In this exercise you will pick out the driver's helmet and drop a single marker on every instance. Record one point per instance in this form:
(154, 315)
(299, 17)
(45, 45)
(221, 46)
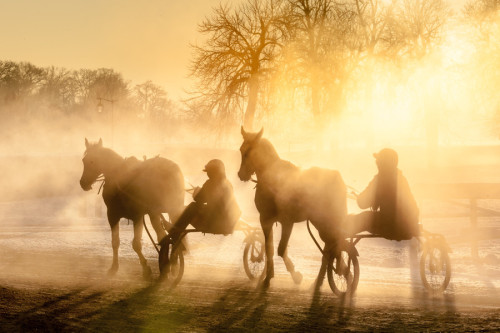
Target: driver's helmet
(215, 169)
(386, 159)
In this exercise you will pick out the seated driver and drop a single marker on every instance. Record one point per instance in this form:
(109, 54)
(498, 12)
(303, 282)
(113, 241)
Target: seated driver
(214, 209)
(394, 213)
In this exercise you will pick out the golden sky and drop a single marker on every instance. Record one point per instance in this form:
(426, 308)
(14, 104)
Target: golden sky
(143, 40)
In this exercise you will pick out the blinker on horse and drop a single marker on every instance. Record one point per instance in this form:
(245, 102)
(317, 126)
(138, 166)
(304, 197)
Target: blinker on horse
(132, 189)
(287, 194)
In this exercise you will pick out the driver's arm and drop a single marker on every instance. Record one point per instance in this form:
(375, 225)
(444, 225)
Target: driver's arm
(366, 199)
(200, 196)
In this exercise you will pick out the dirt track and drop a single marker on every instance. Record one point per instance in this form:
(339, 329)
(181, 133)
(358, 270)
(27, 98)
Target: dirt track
(67, 290)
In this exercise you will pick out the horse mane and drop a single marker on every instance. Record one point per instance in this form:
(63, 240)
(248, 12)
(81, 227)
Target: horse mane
(112, 153)
(273, 156)
(268, 150)
(108, 151)
(267, 158)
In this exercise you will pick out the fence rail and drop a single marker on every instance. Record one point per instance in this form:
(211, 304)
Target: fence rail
(450, 192)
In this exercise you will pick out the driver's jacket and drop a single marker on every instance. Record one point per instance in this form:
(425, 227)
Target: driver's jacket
(390, 195)
(221, 211)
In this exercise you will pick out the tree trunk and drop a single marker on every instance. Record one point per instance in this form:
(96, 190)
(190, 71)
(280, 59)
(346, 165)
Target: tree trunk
(315, 95)
(253, 91)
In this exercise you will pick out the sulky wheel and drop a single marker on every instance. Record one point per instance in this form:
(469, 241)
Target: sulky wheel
(343, 273)
(175, 268)
(435, 268)
(176, 264)
(254, 257)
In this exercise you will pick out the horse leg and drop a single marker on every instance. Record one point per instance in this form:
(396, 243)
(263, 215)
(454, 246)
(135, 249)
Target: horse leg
(329, 252)
(267, 228)
(156, 223)
(137, 246)
(286, 231)
(115, 243)
(322, 270)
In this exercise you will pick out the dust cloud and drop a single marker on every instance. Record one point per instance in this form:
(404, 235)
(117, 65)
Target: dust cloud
(440, 114)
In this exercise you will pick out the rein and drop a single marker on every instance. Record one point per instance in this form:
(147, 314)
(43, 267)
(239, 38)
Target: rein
(149, 234)
(102, 180)
(314, 238)
(353, 194)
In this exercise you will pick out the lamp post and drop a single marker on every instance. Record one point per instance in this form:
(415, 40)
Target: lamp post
(100, 109)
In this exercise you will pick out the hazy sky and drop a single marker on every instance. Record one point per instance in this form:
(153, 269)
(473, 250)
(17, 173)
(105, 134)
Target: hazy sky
(143, 40)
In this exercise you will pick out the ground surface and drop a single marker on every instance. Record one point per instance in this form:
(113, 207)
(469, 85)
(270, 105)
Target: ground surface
(53, 278)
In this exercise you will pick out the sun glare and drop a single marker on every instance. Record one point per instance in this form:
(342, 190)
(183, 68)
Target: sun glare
(408, 103)
(457, 47)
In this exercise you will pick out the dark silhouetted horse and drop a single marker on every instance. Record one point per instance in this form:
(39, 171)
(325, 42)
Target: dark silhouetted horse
(287, 194)
(133, 188)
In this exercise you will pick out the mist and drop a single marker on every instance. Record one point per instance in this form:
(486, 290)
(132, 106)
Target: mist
(433, 110)
(435, 102)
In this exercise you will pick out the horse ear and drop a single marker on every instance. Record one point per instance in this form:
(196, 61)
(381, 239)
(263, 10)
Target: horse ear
(100, 142)
(87, 143)
(259, 135)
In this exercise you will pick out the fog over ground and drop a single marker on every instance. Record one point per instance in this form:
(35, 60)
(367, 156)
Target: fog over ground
(441, 114)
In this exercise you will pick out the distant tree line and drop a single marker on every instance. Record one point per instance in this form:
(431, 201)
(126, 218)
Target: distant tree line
(29, 93)
(267, 61)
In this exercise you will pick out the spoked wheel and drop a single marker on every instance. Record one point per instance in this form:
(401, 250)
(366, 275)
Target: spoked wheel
(343, 273)
(435, 268)
(176, 264)
(254, 257)
(175, 269)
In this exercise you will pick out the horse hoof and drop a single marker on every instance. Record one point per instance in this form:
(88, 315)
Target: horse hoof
(297, 277)
(265, 284)
(147, 273)
(112, 271)
(163, 277)
(163, 260)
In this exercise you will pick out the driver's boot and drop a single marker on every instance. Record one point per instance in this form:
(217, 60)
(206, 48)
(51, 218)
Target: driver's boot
(163, 256)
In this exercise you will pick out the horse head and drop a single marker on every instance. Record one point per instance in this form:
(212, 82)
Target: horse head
(92, 164)
(248, 152)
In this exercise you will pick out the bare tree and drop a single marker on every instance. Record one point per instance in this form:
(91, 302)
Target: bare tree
(19, 80)
(101, 83)
(110, 84)
(155, 108)
(372, 17)
(321, 32)
(484, 78)
(418, 25)
(58, 88)
(481, 10)
(84, 80)
(418, 29)
(310, 18)
(240, 47)
(150, 97)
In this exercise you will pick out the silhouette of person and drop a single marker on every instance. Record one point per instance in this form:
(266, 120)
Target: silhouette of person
(214, 209)
(393, 210)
